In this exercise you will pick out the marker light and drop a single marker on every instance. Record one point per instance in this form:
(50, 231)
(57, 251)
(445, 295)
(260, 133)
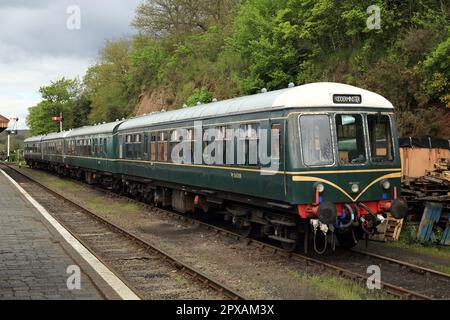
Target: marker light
(355, 188)
(320, 187)
(386, 184)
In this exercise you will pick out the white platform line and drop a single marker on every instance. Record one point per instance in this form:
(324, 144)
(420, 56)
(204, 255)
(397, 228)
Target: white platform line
(116, 284)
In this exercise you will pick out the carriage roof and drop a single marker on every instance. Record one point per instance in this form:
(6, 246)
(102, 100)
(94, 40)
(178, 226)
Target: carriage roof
(33, 139)
(55, 136)
(105, 128)
(312, 95)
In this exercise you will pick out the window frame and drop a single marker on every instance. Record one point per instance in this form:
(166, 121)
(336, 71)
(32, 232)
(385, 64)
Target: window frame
(363, 116)
(333, 138)
(391, 124)
(280, 142)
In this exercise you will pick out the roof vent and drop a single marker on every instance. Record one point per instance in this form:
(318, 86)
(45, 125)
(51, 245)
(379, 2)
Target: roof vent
(264, 90)
(291, 85)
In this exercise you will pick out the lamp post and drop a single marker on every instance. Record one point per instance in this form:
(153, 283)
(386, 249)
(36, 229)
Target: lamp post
(12, 130)
(9, 144)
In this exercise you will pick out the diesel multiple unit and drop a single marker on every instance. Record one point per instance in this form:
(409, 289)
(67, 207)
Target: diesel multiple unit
(312, 162)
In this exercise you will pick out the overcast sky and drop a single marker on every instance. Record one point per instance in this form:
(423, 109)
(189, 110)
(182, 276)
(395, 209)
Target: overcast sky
(37, 46)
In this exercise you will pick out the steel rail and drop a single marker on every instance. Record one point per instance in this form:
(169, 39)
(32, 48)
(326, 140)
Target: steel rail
(184, 268)
(390, 288)
(418, 269)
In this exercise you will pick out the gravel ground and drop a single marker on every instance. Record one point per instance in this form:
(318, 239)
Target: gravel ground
(255, 274)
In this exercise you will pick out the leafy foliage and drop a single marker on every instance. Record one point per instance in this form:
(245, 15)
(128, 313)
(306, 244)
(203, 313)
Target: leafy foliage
(107, 83)
(60, 97)
(200, 96)
(195, 50)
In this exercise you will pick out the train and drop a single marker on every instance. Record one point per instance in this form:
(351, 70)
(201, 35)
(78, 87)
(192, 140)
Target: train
(312, 164)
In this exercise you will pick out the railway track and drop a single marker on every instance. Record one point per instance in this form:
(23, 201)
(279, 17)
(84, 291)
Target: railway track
(358, 272)
(101, 235)
(406, 280)
(412, 267)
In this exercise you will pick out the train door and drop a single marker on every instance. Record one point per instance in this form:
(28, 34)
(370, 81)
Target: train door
(278, 149)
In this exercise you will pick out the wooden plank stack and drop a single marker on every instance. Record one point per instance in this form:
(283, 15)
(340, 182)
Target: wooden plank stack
(389, 230)
(433, 188)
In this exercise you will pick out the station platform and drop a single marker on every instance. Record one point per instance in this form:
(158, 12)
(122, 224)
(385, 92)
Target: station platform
(34, 257)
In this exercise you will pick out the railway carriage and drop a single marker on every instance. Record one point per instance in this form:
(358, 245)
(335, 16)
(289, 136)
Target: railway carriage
(53, 149)
(334, 164)
(33, 150)
(90, 151)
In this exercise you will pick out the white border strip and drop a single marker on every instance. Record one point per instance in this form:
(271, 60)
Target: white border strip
(113, 281)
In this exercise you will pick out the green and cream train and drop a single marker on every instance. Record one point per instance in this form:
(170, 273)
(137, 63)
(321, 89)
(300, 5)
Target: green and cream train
(308, 163)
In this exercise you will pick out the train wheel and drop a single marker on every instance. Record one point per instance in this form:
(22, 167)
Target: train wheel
(245, 231)
(291, 234)
(289, 246)
(244, 227)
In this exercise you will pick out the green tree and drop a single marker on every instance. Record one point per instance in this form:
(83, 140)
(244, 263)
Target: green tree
(107, 83)
(188, 51)
(200, 96)
(59, 97)
(161, 18)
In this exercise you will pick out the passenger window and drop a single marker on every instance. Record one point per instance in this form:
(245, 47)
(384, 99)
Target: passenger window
(105, 147)
(223, 139)
(129, 147)
(153, 142)
(175, 138)
(275, 143)
(162, 146)
(252, 157)
(146, 146)
(137, 147)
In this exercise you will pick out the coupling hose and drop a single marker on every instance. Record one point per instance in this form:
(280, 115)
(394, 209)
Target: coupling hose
(315, 244)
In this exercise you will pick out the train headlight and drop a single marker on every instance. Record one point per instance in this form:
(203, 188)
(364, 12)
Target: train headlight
(386, 184)
(355, 188)
(320, 187)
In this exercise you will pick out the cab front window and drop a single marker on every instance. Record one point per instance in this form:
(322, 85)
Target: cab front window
(316, 140)
(350, 139)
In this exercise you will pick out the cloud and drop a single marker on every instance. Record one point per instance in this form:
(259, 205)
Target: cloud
(36, 47)
(43, 28)
(20, 82)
